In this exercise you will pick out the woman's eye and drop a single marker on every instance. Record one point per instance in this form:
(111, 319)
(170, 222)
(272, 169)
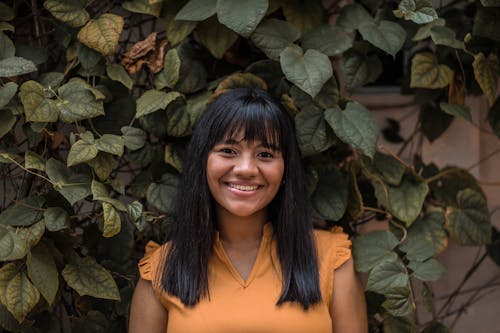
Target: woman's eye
(226, 151)
(265, 154)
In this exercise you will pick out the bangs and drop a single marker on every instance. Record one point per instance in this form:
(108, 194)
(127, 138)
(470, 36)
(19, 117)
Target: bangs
(253, 116)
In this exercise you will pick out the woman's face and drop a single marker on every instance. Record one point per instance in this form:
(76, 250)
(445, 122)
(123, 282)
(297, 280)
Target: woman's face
(243, 177)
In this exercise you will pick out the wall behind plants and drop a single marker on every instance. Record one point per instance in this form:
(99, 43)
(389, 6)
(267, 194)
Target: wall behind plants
(98, 100)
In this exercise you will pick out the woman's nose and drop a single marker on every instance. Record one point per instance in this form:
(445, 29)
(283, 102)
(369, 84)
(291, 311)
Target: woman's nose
(245, 165)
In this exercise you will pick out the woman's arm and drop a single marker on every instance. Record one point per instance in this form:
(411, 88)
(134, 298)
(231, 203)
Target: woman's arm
(146, 312)
(348, 307)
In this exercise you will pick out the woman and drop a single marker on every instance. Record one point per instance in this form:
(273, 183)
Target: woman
(243, 255)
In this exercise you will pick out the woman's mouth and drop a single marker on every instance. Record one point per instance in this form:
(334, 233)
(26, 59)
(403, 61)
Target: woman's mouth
(243, 187)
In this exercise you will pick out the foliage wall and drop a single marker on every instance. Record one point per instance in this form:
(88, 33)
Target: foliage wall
(98, 99)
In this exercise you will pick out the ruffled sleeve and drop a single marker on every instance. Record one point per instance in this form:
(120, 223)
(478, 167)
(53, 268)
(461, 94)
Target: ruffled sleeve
(342, 247)
(148, 264)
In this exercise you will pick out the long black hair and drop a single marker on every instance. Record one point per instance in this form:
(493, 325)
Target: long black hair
(260, 117)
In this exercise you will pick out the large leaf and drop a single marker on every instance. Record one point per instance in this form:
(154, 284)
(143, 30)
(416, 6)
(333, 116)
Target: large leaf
(7, 91)
(134, 138)
(14, 66)
(80, 152)
(178, 119)
(398, 302)
(445, 36)
(143, 7)
(118, 73)
(71, 12)
(162, 195)
(43, 273)
(33, 161)
(241, 16)
(426, 237)
(7, 122)
(389, 168)
(353, 16)
(103, 164)
(79, 101)
(216, 37)
(429, 270)
(12, 246)
(360, 69)
(112, 221)
(407, 199)
(103, 33)
(110, 143)
(154, 100)
(7, 48)
(304, 15)
(72, 187)
(20, 296)
(329, 199)
(328, 39)
(425, 31)
(197, 10)
(312, 131)
(373, 248)
(387, 36)
(37, 106)
(355, 125)
(308, 71)
(418, 11)
(427, 73)
(176, 30)
(169, 75)
(273, 35)
(87, 277)
(56, 218)
(386, 276)
(24, 212)
(469, 222)
(486, 72)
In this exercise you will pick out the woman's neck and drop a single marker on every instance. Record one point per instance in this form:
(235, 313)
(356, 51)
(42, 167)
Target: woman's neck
(238, 230)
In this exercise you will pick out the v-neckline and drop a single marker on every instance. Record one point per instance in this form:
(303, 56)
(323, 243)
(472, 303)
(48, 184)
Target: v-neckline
(222, 254)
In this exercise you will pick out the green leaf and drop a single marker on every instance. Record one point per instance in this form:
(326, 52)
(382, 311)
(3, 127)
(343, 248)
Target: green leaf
(178, 119)
(87, 277)
(360, 69)
(7, 272)
(197, 10)
(172, 157)
(88, 57)
(143, 7)
(103, 164)
(56, 219)
(215, 37)
(486, 72)
(32, 234)
(308, 71)
(51, 80)
(176, 30)
(169, 75)
(427, 73)
(134, 210)
(273, 35)
(427, 297)
(398, 324)
(419, 11)
(387, 36)
(112, 221)
(407, 199)
(241, 16)
(79, 101)
(429, 270)
(23, 213)
(7, 122)
(71, 12)
(118, 73)
(42, 271)
(12, 246)
(110, 143)
(33, 161)
(386, 276)
(7, 48)
(312, 131)
(452, 181)
(134, 138)
(353, 16)
(154, 100)
(192, 75)
(15, 66)
(6, 13)
(457, 110)
(81, 152)
(7, 91)
(37, 106)
(436, 327)
(355, 126)
(373, 248)
(21, 296)
(397, 302)
(327, 39)
(103, 33)
(304, 15)
(389, 168)
(469, 222)
(445, 36)
(99, 192)
(72, 187)
(426, 237)
(425, 31)
(329, 199)
(162, 195)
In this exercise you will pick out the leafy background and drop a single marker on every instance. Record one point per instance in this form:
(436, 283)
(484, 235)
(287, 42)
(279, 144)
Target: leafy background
(98, 100)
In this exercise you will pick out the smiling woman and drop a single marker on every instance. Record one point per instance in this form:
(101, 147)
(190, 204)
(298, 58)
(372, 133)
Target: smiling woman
(243, 255)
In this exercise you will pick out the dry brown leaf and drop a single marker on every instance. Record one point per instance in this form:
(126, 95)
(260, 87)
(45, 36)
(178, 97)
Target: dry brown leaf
(155, 60)
(145, 52)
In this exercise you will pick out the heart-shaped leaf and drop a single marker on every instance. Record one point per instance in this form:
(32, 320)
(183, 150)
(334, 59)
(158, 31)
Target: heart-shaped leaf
(37, 106)
(327, 39)
(312, 131)
(154, 100)
(103, 33)
(241, 16)
(486, 72)
(273, 35)
(427, 73)
(418, 11)
(197, 10)
(217, 38)
(71, 12)
(373, 248)
(15, 66)
(387, 36)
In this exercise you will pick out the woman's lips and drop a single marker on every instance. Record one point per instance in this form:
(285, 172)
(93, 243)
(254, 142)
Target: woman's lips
(242, 187)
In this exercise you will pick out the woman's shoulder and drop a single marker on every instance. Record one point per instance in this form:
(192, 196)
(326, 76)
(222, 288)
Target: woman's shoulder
(153, 256)
(333, 246)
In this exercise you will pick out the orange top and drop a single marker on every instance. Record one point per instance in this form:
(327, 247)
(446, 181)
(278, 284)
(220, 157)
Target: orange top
(236, 305)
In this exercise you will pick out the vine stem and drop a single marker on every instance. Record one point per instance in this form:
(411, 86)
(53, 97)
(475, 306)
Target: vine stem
(405, 232)
(387, 150)
(487, 157)
(439, 175)
(29, 171)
